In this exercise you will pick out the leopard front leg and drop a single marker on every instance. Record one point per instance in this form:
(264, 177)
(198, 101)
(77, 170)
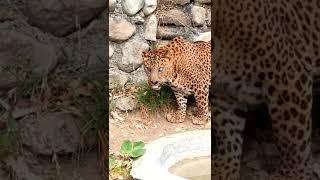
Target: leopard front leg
(290, 111)
(202, 102)
(228, 125)
(179, 115)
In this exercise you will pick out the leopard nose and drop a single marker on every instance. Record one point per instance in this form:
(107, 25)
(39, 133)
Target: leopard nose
(154, 82)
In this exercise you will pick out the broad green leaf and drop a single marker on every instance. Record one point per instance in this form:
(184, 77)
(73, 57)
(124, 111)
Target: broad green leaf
(138, 144)
(137, 152)
(126, 147)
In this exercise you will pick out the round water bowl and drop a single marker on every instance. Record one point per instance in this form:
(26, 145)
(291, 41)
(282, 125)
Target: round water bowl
(167, 151)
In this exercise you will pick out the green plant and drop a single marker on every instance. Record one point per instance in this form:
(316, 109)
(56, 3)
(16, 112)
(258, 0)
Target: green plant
(112, 104)
(120, 166)
(112, 161)
(9, 136)
(28, 82)
(93, 109)
(132, 149)
(154, 99)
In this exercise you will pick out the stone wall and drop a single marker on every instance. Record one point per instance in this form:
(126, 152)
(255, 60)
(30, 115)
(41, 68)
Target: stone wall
(59, 39)
(53, 35)
(136, 26)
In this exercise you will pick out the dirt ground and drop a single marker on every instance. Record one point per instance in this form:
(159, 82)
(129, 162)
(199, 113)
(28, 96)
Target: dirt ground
(134, 126)
(260, 157)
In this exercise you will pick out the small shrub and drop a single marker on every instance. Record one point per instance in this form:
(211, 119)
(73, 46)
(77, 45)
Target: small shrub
(93, 108)
(151, 99)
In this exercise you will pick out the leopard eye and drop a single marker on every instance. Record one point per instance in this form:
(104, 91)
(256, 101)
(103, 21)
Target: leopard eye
(161, 69)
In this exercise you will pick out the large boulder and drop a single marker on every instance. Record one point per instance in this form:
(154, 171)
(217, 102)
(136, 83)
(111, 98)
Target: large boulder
(120, 29)
(149, 6)
(170, 32)
(126, 104)
(50, 132)
(132, 7)
(20, 50)
(117, 79)
(174, 17)
(132, 55)
(61, 17)
(138, 76)
(20, 168)
(198, 15)
(112, 5)
(150, 28)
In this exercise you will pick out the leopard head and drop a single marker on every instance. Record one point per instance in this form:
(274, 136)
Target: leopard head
(159, 67)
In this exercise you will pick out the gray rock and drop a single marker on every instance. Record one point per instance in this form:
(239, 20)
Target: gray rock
(150, 31)
(112, 5)
(50, 132)
(182, 2)
(6, 14)
(117, 79)
(92, 51)
(198, 15)
(149, 6)
(126, 103)
(132, 7)
(20, 168)
(203, 1)
(170, 32)
(203, 37)
(132, 55)
(208, 18)
(111, 51)
(174, 16)
(161, 43)
(120, 30)
(59, 17)
(18, 49)
(139, 76)
(137, 20)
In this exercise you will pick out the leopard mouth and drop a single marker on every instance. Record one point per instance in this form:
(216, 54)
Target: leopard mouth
(156, 87)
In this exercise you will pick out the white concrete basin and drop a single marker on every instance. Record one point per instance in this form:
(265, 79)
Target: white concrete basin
(164, 152)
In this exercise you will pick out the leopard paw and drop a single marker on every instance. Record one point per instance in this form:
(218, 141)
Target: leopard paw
(175, 117)
(200, 120)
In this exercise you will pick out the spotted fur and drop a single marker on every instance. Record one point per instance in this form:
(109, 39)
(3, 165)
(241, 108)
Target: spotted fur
(186, 68)
(266, 52)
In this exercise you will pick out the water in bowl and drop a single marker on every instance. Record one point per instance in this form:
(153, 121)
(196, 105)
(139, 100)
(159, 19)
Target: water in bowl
(193, 169)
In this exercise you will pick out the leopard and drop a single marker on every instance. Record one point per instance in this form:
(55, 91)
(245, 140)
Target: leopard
(266, 52)
(185, 67)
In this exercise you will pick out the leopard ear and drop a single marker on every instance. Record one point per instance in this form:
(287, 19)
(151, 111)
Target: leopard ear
(169, 53)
